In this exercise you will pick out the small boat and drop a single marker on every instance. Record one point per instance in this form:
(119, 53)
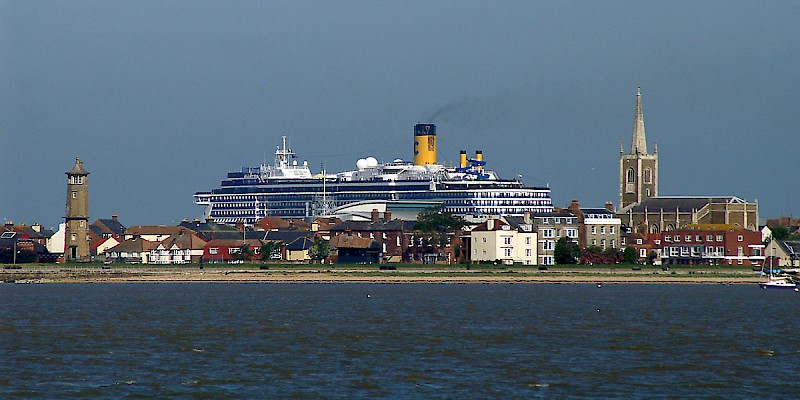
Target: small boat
(778, 282)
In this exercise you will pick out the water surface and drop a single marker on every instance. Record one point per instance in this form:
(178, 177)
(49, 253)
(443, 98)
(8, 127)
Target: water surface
(397, 341)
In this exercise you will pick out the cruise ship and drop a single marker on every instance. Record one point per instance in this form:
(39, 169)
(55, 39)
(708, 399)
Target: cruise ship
(288, 189)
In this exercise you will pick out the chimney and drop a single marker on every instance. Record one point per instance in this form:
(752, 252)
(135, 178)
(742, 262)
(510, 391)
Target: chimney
(575, 207)
(36, 227)
(387, 215)
(114, 217)
(375, 216)
(610, 206)
(462, 159)
(490, 224)
(479, 157)
(527, 217)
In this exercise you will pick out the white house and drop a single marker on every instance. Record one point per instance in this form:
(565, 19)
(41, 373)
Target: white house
(499, 240)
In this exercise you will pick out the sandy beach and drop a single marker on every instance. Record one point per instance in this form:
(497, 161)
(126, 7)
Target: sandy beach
(334, 274)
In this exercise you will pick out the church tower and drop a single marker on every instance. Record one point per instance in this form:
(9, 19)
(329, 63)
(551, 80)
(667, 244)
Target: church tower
(638, 171)
(76, 240)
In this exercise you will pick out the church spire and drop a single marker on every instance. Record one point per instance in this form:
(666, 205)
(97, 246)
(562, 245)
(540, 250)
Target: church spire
(639, 142)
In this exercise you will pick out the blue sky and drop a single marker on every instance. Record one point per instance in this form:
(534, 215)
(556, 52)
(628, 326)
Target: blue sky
(162, 98)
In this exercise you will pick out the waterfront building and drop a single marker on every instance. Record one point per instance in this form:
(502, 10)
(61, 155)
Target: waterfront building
(395, 238)
(135, 250)
(638, 170)
(783, 253)
(507, 242)
(225, 250)
(108, 227)
(549, 228)
(711, 244)
(598, 227)
(184, 248)
(668, 213)
(77, 216)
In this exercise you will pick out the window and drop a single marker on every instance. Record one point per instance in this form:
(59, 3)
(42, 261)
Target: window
(631, 175)
(73, 237)
(698, 238)
(611, 230)
(642, 253)
(638, 241)
(528, 240)
(548, 245)
(739, 238)
(507, 240)
(648, 175)
(719, 238)
(688, 238)
(213, 250)
(547, 233)
(612, 243)
(594, 230)
(602, 230)
(528, 252)
(74, 195)
(667, 238)
(603, 244)
(507, 252)
(484, 240)
(594, 242)
(572, 233)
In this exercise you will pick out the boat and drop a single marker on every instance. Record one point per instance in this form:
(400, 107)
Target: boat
(288, 189)
(779, 282)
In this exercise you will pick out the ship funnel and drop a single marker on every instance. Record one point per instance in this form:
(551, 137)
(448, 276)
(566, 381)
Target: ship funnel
(424, 144)
(479, 157)
(463, 159)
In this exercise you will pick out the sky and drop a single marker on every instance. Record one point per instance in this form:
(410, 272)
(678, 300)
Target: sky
(160, 99)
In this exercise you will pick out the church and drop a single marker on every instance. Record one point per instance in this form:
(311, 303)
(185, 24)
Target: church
(644, 211)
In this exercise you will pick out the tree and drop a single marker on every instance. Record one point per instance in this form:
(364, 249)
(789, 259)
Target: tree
(566, 251)
(629, 255)
(245, 253)
(320, 250)
(270, 249)
(439, 225)
(651, 257)
(780, 232)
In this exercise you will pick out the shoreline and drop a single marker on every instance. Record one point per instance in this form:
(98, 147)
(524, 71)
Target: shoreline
(366, 275)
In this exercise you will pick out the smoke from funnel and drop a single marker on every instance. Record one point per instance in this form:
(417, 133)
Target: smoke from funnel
(479, 113)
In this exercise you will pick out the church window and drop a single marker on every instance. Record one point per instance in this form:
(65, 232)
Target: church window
(648, 175)
(654, 229)
(74, 195)
(631, 175)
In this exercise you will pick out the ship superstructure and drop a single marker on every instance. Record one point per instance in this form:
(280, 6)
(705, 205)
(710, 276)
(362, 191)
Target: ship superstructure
(288, 189)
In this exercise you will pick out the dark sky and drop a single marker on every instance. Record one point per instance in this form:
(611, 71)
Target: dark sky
(162, 98)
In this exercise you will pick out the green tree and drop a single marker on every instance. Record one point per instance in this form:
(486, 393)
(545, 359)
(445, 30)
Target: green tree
(269, 250)
(651, 257)
(629, 255)
(780, 233)
(320, 250)
(245, 253)
(566, 251)
(439, 225)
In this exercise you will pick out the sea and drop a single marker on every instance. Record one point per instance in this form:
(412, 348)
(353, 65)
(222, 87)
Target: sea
(398, 341)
